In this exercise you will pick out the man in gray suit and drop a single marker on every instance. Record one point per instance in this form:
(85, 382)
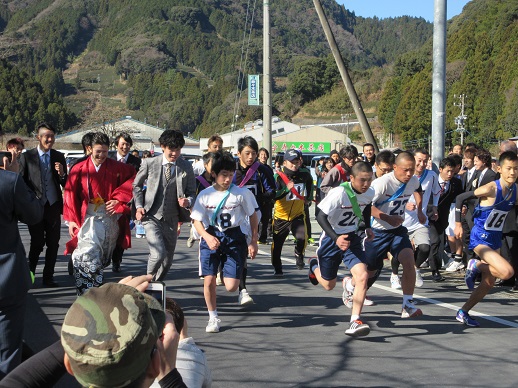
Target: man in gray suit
(17, 203)
(170, 187)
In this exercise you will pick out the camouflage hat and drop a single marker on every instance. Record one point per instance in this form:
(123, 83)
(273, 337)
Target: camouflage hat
(109, 333)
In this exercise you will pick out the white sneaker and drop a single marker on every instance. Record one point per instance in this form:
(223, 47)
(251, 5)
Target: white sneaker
(410, 311)
(347, 297)
(368, 302)
(190, 242)
(219, 281)
(455, 266)
(244, 299)
(395, 282)
(213, 325)
(418, 279)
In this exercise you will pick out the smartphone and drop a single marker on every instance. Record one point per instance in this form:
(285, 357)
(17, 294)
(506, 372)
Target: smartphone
(157, 291)
(4, 154)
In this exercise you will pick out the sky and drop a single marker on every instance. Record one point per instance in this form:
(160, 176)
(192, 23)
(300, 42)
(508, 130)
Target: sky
(388, 8)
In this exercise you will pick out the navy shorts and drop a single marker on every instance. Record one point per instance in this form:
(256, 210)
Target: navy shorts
(492, 239)
(330, 256)
(393, 241)
(231, 254)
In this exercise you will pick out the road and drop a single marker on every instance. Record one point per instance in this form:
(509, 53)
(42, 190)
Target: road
(293, 335)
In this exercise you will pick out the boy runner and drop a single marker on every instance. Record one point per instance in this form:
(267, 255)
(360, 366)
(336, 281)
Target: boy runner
(392, 192)
(340, 214)
(497, 198)
(218, 213)
(294, 189)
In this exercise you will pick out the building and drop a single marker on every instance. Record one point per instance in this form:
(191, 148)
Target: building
(145, 136)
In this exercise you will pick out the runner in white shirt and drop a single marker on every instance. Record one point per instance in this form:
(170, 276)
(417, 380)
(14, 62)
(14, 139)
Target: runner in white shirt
(341, 212)
(392, 192)
(417, 232)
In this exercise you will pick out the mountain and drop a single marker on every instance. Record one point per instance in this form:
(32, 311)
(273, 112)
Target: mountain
(482, 63)
(177, 60)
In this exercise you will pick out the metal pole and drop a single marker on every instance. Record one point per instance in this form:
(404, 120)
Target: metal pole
(267, 81)
(439, 81)
(355, 102)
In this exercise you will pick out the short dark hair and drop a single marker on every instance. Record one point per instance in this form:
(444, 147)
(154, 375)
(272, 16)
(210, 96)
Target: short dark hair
(349, 152)
(368, 145)
(423, 151)
(86, 140)
(360, 167)
(471, 145)
(484, 156)
(214, 138)
(469, 153)
(456, 145)
(328, 159)
(447, 162)
(247, 141)
(127, 138)
(385, 156)
(146, 154)
(100, 138)
(171, 139)
(223, 161)
(45, 126)
(209, 156)
(264, 150)
(176, 311)
(457, 159)
(507, 155)
(15, 142)
(405, 155)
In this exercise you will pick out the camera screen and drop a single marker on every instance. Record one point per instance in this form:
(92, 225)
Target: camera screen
(158, 295)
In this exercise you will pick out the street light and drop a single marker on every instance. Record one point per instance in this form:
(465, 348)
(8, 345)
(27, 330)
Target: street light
(344, 117)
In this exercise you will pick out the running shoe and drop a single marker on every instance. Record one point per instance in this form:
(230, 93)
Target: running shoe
(368, 302)
(358, 329)
(190, 242)
(311, 275)
(278, 274)
(395, 282)
(299, 261)
(347, 296)
(311, 241)
(464, 317)
(418, 279)
(410, 311)
(213, 325)
(455, 266)
(244, 299)
(471, 274)
(219, 279)
(262, 242)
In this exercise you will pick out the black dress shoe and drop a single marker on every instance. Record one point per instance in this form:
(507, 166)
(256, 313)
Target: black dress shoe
(116, 267)
(50, 283)
(437, 277)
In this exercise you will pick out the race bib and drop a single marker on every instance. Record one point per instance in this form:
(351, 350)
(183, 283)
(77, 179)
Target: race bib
(252, 188)
(495, 220)
(300, 188)
(397, 207)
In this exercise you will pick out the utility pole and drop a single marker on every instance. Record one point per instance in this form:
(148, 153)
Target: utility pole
(439, 81)
(267, 80)
(355, 101)
(460, 120)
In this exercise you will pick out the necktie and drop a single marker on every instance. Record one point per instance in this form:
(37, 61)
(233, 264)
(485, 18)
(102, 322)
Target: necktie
(46, 160)
(443, 187)
(168, 172)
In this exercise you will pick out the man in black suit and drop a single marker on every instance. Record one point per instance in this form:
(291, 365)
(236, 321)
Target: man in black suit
(17, 203)
(450, 187)
(44, 171)
(123, 143)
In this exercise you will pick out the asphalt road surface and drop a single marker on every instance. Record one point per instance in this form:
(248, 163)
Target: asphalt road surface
(293, 336)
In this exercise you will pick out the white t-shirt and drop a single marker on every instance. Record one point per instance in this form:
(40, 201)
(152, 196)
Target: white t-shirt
(384, 188)
(430, 187)
(198, 167)
(339, 210)
(239, 204)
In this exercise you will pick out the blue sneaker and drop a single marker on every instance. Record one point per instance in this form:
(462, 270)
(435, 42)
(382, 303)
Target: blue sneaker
(471, 274)
(463, 316)
(311, 275)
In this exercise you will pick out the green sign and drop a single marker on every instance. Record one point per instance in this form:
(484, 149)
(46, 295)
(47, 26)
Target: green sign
(253, 90)
(304, 147)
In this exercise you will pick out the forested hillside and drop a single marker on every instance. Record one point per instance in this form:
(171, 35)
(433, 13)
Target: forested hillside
(482, 63)
(178, 59)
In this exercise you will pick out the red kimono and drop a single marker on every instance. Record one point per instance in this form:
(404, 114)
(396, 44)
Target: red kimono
(114, 180)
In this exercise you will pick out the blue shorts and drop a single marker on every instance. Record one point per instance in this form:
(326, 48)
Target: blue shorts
(393, 241)
(231, 254)
(492, 239)
(330, 256)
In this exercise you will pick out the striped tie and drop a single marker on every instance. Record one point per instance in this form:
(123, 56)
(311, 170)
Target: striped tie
(168, 172)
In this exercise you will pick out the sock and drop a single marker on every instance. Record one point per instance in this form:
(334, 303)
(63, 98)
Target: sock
(349, 286)
(406, 298)
(457, 257)
(314, 266)
(213, 314)
(354, 318)
(242, 283)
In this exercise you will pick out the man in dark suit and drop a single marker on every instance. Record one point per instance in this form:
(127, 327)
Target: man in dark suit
(170, 186)
(44, 171)
(17, 203)
(450, 187)
(123, 143)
